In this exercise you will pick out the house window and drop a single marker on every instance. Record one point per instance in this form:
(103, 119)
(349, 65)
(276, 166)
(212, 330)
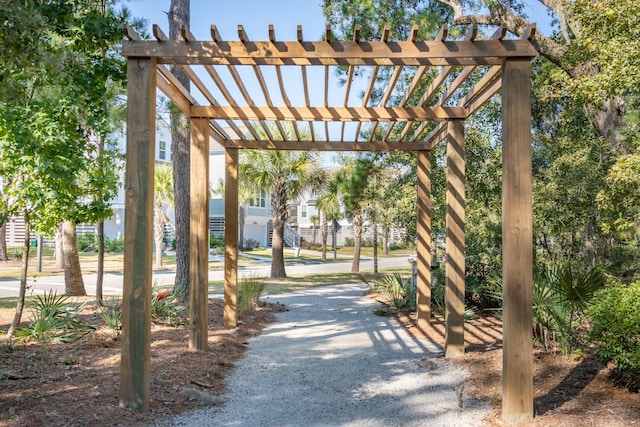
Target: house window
(162, 150)
(303, 211)
(260, 201)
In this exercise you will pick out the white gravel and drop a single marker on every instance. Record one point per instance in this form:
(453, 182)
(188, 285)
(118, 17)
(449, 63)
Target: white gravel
(329, 361)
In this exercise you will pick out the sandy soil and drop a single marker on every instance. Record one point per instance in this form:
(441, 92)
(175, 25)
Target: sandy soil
(78, 384)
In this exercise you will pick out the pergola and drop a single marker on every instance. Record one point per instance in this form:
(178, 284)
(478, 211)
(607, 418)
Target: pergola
(463, 74)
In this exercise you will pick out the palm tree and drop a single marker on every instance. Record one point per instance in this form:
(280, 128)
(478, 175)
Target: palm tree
(285, 175)
(329, 205)
(162, 193)
(315, 220)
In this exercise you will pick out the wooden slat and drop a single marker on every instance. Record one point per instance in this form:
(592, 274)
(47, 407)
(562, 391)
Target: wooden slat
(307, 102)
(517, 238)
(455, 219)
(387, 94)
(327, 145)
(175, 83)
(479, 52)
(337, 114)
(423, 250)
(173, 93)
(135, 359)
(374, 75)
(199, 235)
(231, 238)
(131, 33)
(193, 77)
(428, 93)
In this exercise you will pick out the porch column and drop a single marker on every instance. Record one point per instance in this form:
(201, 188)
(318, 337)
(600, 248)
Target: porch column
(455, 218)
(135, 359)
(423, 313)
(517, 242)
(231, 238)
(199, 235)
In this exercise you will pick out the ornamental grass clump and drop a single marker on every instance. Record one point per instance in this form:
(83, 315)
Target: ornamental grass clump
(251, 288)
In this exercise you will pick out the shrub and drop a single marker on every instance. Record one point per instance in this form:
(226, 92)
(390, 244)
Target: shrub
(251, 288)
(250, 244)
(87, 242)
(165, 307)
(215, 241)
(114, 245)
(616, 330)
(53, 320)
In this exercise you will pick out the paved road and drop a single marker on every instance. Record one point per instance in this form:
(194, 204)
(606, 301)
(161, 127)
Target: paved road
(112, 282)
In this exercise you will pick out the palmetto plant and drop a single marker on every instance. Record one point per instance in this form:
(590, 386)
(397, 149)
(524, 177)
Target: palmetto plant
(53, 320)
(560, 299)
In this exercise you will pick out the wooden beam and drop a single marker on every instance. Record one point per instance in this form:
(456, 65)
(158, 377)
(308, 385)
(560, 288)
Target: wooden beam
(389, 53)
(135, 359)
(455, 218)
(231, 238)
(199, 235)
(176, 85)
(423, 313)
(336, 114)
(328, 145)
(517, 247)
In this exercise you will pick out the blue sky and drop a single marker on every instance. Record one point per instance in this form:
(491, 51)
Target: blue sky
(256, 15)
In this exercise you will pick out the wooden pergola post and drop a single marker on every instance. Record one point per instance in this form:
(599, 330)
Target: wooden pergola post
(517, 242)
(135, 360)
(423, 313)
(455, 219)
(199, 235)
(231, 238)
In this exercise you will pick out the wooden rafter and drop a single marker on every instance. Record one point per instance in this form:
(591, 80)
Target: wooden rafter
(234, 122)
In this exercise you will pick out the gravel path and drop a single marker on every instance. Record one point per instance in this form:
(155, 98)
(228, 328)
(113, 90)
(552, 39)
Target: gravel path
(329, 361)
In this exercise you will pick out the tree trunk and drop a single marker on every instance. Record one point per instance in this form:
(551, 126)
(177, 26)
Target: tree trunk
(385, 239)
(334, 236)
(180, 151)
(59, 251)
(324, 233)
(608, 118)
(357, 237)
(73, 282)
(314, 233)
(100, 273)
(3, 242)
(241, 220)
(279, 208)
(375, 247)
(159, 220)
(17, 318)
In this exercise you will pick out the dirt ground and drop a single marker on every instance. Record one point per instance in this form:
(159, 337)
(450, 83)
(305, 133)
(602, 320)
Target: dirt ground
(567, 392)
(78, 384)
